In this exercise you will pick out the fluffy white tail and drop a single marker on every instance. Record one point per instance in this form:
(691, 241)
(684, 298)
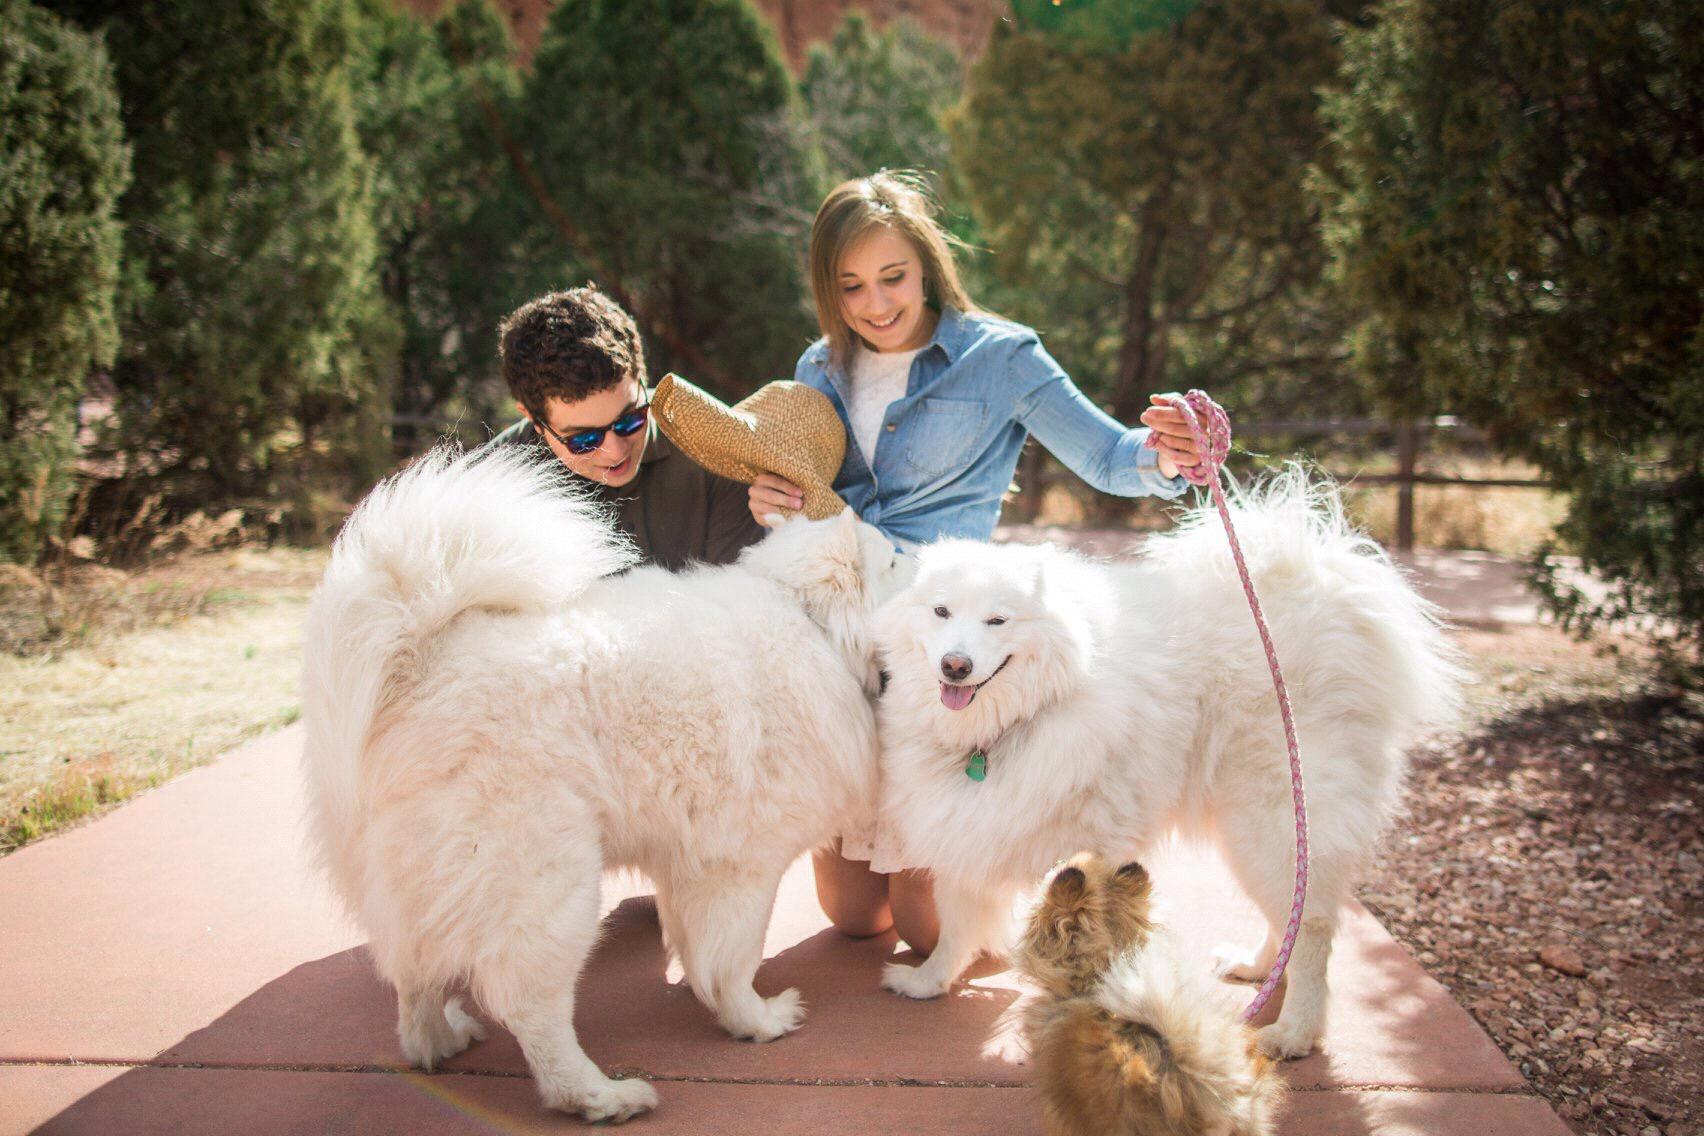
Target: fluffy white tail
(1293, 528)
(498, 530)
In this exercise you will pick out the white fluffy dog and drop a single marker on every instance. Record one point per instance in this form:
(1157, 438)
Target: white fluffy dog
(1113, 704)
(494, 719)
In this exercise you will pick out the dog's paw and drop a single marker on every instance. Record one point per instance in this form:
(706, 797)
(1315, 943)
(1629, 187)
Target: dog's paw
(1239, 964)
(463, 1026)
(1283, 1041)
(614, 1101)
(775, 1017)
(434, 1037)
(1007, 1041)
(913, 981)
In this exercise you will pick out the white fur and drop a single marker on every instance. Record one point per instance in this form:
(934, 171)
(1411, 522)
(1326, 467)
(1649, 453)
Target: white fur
(493, 720)
(1138, 702)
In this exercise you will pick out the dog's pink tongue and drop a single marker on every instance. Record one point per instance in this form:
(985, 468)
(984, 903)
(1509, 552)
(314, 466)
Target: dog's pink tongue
(956, 697)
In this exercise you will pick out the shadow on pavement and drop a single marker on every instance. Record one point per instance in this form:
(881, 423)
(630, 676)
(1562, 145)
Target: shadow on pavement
(281, 1060)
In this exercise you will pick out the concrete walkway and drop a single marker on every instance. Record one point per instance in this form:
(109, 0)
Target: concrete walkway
(176, 968)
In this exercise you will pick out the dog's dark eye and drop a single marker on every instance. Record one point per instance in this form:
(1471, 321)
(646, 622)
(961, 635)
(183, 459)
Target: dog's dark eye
(942, 612)
(995, 620)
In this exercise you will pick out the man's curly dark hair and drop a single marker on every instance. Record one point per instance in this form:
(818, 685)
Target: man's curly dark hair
(568, 345)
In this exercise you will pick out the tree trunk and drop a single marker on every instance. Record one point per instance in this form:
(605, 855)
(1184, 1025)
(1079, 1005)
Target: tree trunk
(1142, 355)
(1407, 449)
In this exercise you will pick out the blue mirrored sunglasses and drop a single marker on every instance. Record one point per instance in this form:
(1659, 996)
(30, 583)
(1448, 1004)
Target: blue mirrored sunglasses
(582, 442)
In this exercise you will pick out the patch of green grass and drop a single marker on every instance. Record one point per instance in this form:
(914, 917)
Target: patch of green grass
(77, 795)
(85, 789)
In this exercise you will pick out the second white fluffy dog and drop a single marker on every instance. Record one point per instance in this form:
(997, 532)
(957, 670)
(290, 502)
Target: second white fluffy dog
(493, 720)
(1107, 705)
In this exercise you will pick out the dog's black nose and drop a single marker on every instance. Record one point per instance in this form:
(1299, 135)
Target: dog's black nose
(956, 667)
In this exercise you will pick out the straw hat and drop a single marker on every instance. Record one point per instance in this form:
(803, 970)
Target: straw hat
(784, 428)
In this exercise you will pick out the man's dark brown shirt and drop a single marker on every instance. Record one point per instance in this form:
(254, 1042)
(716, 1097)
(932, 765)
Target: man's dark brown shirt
(676, 511)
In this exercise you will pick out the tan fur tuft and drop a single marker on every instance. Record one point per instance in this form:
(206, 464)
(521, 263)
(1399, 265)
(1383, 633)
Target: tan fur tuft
(1130, 1062)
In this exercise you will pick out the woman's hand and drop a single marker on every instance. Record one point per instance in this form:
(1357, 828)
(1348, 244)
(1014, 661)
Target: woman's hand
(772, 494)
(1173, 441)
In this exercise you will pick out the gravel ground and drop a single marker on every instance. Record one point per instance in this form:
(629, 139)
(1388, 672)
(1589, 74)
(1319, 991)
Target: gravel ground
(1550, 873)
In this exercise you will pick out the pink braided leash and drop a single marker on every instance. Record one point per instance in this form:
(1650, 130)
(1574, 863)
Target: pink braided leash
(1212, 429)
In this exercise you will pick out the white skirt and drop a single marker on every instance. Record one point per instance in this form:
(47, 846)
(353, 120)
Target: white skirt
(875, 843)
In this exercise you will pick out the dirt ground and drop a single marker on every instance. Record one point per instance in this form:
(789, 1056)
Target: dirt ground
(1550, 873)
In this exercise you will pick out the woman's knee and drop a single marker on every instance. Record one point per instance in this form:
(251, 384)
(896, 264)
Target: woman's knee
(912, 898)
(854, 898)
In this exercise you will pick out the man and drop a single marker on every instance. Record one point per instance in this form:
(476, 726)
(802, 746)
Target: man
(574, 363)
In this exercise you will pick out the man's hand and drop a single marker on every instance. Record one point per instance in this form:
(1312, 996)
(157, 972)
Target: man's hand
(772, 495)
(1173, 441)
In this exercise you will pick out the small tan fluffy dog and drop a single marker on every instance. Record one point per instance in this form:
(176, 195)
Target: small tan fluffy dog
(1128, 1041)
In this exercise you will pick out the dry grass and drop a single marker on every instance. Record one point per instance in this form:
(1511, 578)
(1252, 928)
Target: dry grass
(1511, 522)
(1505, 520)
(113, 682)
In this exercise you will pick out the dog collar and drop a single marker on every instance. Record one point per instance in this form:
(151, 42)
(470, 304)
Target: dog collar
(976, 765)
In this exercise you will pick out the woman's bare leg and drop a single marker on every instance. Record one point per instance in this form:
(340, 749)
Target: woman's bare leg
(862, 903)
(911, 895)
(854, 898)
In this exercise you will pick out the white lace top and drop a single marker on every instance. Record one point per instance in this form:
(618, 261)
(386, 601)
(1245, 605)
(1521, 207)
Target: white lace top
(878, 378)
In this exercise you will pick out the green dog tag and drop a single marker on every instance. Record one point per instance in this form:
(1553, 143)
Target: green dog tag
(977, 770)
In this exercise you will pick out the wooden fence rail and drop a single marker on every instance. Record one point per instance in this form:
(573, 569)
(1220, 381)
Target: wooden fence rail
(1408, 439)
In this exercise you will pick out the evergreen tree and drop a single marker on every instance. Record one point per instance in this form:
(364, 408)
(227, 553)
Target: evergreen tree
(249, 296)
(875, 98)
(63, 164)
(668, 161)
(1517, 203)
(1141, 176)
(446, 205)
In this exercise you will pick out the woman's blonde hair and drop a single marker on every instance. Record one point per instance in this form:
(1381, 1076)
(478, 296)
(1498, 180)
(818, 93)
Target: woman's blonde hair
(897, 200)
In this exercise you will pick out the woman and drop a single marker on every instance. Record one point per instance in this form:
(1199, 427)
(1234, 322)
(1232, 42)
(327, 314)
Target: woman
(937, 397)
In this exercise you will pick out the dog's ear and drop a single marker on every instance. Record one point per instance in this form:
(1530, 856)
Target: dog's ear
(1068, 889)
(1129, 900)
(1133, 879)
(1066, 903)
(1065, 645)
(1064, 918)
(1035, 581)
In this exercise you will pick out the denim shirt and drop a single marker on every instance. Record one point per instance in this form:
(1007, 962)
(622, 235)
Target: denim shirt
(947, 450)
